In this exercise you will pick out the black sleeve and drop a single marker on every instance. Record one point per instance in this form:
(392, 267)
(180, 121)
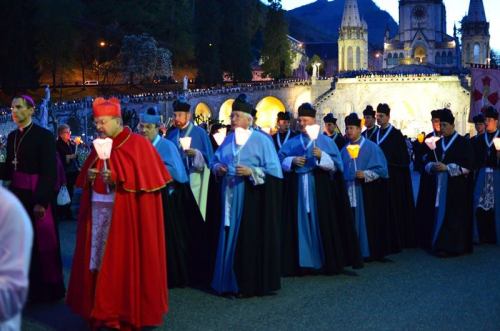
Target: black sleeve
(7, 168)
(47, 157)
(61, 151)
(404, 157)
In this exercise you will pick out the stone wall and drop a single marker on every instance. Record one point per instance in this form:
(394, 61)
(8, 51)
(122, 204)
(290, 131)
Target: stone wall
(411, 99)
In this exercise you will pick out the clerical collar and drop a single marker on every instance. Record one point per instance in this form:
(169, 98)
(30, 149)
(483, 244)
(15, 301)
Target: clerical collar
(356, 141)
(25, 127)
(491, 134)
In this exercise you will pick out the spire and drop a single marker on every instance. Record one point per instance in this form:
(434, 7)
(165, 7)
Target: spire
(350, 17)
(476, 11)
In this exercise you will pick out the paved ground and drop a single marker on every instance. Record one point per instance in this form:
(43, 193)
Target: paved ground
(413, 292)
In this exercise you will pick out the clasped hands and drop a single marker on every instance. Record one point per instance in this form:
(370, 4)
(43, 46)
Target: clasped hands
(241, 170)
(105, 175)
(300, 161)
(70, 157)
(190, 152)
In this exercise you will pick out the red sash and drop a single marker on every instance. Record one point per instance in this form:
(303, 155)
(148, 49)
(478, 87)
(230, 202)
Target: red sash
(45, 231)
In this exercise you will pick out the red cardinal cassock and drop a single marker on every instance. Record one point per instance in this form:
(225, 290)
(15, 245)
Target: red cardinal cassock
(129, 289)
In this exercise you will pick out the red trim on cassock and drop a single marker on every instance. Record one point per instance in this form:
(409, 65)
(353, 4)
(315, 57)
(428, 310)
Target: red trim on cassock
(130, 289)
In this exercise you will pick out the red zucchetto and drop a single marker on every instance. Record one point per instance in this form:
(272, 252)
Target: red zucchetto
(109, 107)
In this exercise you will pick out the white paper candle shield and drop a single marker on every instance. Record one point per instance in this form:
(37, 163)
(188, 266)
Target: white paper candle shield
(185, 143)
(496, 141)
(222, 131)
(313, 131)
(241, 136)
(219, 137)
(103, 147)
(431, 142)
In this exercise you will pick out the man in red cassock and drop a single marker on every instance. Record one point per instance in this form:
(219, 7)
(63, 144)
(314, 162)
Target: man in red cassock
(118, 278)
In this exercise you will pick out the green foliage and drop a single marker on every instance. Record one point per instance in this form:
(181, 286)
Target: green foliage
(53, 36)
(18, 67)
(240, 23)
(276, 52)
(56, 34)
(208, 41)
(141, 58)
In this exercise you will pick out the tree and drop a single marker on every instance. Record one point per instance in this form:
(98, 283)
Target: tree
(208, 41)
(276, 53)
(141, 58)
(18, 67)
(170, 22)
(174, 26)
(56, 35)
(239, 26)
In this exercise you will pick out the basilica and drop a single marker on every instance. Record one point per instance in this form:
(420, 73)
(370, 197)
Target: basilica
(420, 40)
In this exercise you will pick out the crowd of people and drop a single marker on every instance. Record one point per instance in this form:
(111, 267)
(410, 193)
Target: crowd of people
(236, 209)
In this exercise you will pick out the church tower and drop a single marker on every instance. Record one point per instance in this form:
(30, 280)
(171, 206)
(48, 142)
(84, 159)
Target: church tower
(353, 39)
(475, 35)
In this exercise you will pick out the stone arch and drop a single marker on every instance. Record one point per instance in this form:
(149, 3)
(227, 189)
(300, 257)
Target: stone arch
(389, 59)
(303, 97)
(225, 111)
(203, 112)
(267, 111)
(420, 54)
(350, 58)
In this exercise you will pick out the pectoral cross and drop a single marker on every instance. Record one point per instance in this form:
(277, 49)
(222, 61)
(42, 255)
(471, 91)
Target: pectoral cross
(15, 162)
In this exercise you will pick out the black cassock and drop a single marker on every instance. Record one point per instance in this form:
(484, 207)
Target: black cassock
(185, 235)
(370, 133)
(399, 185)
(282, 138)
(31, 153)
(258, 244)
(336, 221)
(338, 140)
(485, 157)
(427, 184)
(454, 236)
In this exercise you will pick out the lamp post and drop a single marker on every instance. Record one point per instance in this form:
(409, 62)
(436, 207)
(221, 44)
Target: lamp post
(102, 44)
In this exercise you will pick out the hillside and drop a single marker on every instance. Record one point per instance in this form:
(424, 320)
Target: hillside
(320, 21)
